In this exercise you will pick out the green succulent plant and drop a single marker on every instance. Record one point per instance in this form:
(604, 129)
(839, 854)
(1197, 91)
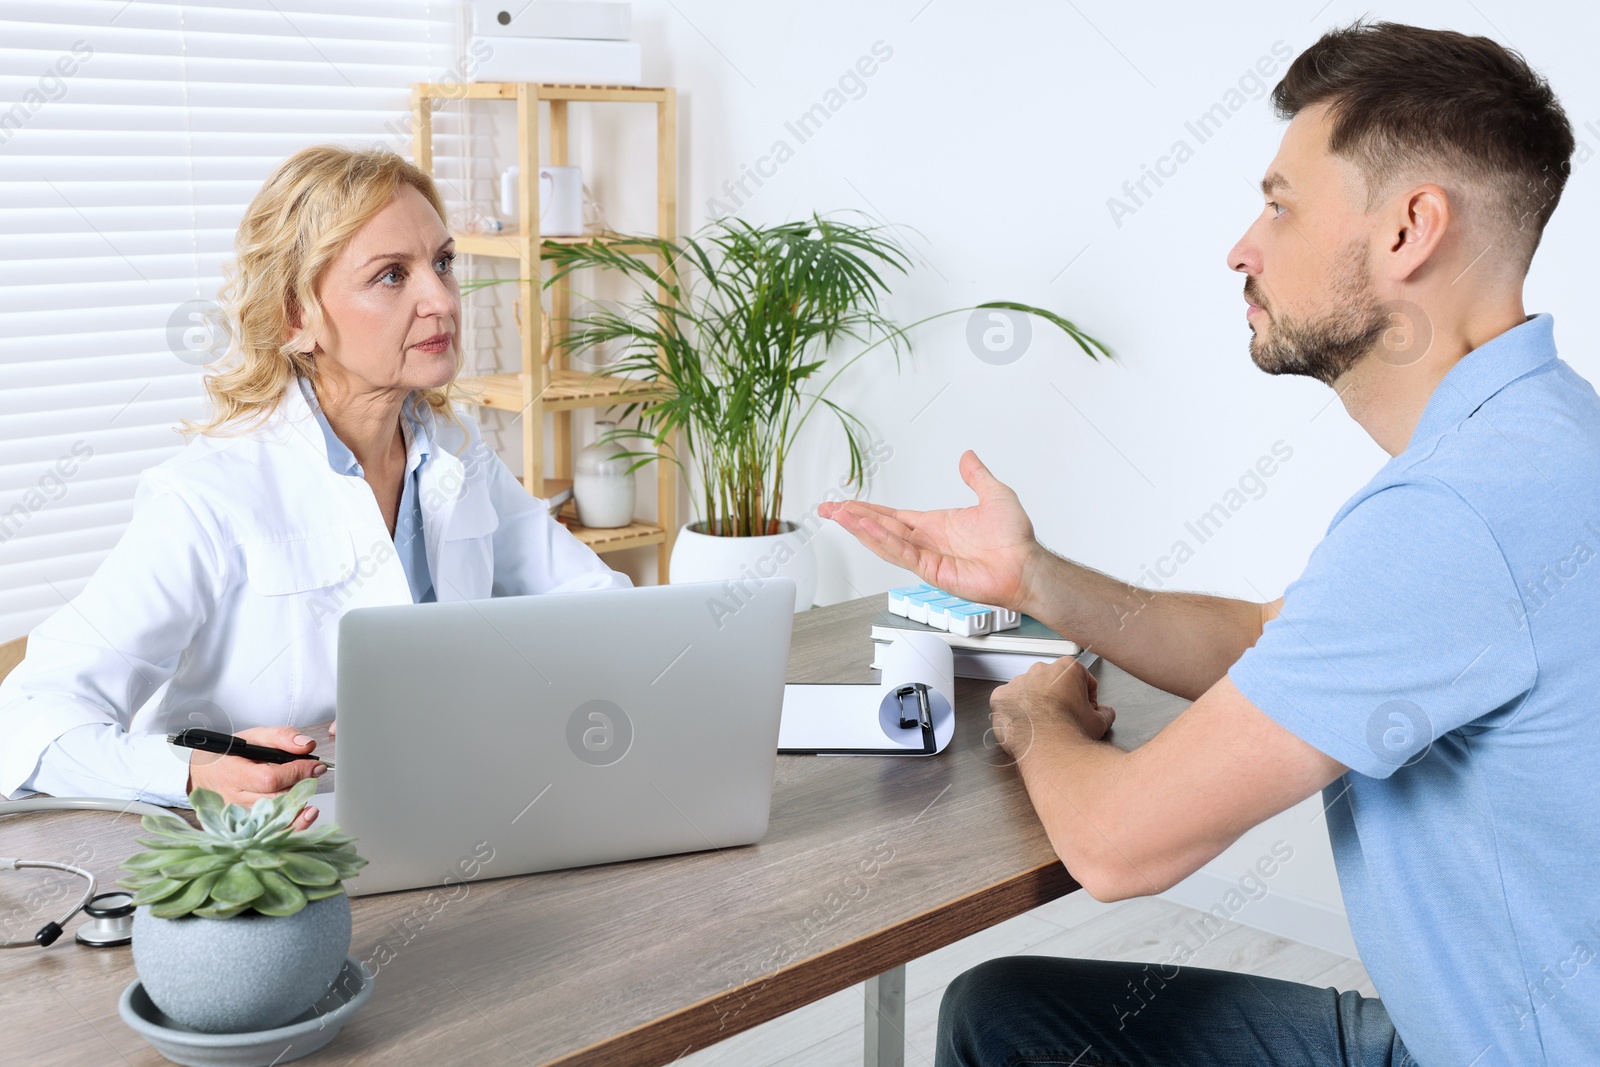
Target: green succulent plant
(239, 860)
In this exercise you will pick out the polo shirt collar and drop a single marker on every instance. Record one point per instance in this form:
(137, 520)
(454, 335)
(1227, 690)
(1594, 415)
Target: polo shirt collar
(1482, 373)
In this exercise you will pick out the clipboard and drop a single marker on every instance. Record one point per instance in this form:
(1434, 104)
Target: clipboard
(844, 719)
(910, 711)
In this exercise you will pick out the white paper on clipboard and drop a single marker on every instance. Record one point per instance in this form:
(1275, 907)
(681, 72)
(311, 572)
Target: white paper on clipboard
(829, 719)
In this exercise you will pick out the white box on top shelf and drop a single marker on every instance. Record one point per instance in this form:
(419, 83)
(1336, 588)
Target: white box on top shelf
(560, 62)
(599, 20)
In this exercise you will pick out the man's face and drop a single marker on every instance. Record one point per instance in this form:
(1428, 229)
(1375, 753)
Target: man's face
(1310, 299)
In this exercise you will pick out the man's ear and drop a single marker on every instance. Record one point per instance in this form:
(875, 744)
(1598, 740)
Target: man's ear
(1420, 219)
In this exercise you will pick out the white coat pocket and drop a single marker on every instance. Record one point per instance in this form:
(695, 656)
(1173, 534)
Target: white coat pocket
(274, 568)
(467, 549)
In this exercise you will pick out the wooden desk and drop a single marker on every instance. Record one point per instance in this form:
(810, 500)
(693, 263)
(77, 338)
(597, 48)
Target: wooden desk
(869, 862)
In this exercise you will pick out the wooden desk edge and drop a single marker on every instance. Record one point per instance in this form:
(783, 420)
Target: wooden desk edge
(663, 1040)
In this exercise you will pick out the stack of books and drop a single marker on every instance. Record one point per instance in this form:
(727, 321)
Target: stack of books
(988, 642)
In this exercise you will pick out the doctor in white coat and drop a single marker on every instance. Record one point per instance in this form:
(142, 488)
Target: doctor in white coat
(334, 473)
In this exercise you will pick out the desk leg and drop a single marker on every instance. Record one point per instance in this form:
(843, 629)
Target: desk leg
(886, 1019)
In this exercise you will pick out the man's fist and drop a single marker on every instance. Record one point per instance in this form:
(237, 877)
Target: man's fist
(1048, 695)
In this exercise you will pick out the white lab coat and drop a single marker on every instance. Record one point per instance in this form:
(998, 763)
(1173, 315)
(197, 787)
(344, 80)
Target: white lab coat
(220, 605)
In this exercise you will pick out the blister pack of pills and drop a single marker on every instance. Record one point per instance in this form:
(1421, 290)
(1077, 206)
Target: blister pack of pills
(934, 607)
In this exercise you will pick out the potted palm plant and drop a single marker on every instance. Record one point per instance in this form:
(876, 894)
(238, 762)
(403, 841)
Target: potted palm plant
(243, 924)
(735, 326)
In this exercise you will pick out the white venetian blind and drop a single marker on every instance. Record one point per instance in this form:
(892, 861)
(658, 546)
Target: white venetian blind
(131, 138)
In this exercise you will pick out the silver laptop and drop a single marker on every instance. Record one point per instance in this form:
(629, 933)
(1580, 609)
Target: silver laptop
(485, 738)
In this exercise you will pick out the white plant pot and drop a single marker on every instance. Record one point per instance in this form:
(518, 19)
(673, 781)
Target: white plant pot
(699, 557)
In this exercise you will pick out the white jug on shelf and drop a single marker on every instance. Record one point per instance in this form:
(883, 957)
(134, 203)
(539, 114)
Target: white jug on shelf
(560, 199)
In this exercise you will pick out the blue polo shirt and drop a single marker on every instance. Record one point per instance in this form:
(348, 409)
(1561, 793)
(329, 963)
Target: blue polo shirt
(1444, 644)
(408, 541)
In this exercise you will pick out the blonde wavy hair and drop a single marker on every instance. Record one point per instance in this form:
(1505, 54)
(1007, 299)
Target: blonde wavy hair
(292, 231)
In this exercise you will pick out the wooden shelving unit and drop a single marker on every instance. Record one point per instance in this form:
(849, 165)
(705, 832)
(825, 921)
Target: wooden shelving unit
(534, 391)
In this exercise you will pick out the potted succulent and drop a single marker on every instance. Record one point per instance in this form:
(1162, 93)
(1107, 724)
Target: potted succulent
(242, 924)
(736, 324)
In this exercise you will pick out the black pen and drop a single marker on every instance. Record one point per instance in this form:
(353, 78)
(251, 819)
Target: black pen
(228, 745)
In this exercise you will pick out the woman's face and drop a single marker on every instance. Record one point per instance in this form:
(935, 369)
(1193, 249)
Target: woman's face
(391, 302)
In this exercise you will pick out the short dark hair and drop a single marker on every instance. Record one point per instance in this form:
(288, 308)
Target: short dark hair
(1399, 95)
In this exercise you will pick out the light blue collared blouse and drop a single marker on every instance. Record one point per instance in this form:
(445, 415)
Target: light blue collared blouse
(408, 542)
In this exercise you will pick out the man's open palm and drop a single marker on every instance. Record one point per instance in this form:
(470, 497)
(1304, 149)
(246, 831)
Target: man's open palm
(981, 552)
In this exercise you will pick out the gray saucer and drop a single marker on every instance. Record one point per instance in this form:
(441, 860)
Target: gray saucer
(312, 1029)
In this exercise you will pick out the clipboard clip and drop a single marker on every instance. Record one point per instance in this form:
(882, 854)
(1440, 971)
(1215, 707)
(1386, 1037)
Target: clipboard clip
(923, 715)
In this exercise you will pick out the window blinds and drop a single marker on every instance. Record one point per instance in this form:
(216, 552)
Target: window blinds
(131, 138)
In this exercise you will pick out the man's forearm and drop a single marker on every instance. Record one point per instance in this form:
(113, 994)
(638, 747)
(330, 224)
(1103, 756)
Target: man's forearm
(1180, 642)
(1077, 788)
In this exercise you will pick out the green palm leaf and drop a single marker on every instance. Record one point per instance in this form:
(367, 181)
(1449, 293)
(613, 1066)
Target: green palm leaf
(753, 316)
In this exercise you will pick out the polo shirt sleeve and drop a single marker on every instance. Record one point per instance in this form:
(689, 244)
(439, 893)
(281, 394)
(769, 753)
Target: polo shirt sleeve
(1406, 625)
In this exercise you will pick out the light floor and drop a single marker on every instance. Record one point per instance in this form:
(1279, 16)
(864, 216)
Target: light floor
(828, 1033)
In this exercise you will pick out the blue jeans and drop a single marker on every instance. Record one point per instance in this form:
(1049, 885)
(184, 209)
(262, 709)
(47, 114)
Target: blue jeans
(1089, 1013)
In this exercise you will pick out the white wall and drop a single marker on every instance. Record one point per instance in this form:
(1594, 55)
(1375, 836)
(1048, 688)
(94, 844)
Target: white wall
(999, 132)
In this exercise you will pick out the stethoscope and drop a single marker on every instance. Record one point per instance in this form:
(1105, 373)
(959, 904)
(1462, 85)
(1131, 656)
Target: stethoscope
(110, 914)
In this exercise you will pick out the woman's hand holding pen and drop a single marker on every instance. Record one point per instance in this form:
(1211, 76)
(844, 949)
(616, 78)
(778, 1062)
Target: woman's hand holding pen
(243, 781)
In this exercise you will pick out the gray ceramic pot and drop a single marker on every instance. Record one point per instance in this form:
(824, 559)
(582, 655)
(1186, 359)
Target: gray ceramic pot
(250, 972)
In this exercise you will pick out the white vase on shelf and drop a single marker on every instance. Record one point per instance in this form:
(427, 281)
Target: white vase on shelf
(602, 485)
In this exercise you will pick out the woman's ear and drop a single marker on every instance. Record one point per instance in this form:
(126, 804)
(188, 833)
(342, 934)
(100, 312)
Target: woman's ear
(294, 327)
